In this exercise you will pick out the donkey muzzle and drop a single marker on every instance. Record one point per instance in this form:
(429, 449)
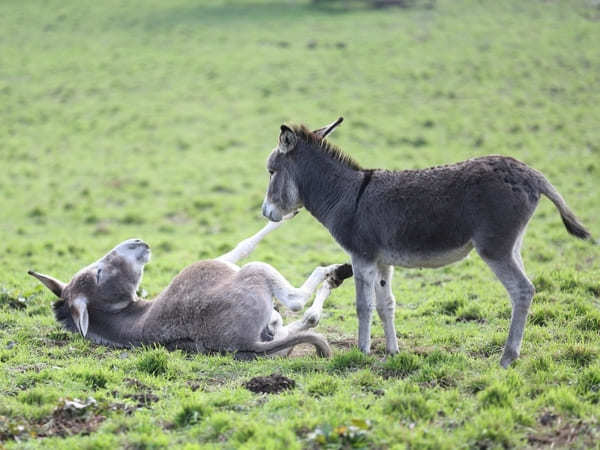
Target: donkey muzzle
(271, 212)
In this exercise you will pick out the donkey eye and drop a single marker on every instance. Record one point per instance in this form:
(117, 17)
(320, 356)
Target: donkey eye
(98, 276)
(271, 172)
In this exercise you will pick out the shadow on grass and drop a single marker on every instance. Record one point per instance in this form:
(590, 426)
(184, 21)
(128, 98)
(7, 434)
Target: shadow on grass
(255, 12)
(269, 11)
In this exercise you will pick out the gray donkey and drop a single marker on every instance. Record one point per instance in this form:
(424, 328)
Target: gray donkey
(210, 306)
(413, 218)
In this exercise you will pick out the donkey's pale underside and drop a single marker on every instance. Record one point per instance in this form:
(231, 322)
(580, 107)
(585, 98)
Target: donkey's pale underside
(211, 306)
(413, 218)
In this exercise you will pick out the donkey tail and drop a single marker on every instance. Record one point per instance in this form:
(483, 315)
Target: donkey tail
(268, 348)
(572, 225)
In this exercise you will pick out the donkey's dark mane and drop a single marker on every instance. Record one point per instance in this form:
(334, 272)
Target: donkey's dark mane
(334, 151)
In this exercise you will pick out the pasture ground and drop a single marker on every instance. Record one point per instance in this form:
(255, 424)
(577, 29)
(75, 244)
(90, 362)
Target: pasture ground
(154, 119)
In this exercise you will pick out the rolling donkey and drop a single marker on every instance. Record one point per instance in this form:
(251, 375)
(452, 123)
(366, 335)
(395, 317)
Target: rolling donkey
(413, 218)
(211, 306)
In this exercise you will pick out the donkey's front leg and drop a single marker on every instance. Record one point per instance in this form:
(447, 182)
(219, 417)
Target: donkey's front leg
(364, 280)
(247, 246)
(386, 306)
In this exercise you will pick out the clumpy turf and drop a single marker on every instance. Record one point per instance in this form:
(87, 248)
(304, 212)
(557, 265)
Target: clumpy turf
(153, 120)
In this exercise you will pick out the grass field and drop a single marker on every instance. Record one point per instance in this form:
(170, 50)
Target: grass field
(154, 119)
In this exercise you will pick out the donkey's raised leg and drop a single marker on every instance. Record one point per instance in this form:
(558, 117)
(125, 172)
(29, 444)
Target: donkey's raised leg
(386, 306)
(312, 315)
(364, 279)
(292, 297)
(247, 246)
(509, 271)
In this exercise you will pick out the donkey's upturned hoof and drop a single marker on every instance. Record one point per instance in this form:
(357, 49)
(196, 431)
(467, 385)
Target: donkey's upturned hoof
(342, 272)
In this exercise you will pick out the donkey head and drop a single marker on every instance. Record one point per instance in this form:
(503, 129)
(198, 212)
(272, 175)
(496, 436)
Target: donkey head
(108, 285)
(282, 196)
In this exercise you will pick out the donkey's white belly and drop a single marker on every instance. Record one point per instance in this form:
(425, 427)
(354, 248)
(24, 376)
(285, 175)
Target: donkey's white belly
(430, 260)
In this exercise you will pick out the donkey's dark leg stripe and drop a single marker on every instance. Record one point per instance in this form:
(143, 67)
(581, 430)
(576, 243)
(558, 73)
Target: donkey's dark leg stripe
(365, 181)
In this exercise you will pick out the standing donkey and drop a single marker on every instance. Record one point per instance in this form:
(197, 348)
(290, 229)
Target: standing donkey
(413, 218)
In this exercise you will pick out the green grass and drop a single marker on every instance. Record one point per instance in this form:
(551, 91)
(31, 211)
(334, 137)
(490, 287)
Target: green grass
(154, 119)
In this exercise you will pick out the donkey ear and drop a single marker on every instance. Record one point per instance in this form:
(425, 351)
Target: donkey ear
(287, 139)
(53, 284)
(325, 131)
(79, 312)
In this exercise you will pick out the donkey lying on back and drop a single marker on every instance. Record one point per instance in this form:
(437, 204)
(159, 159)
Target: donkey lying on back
(211, 306)
(413, 218)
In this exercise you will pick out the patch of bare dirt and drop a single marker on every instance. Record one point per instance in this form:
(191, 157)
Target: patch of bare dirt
(301, 350)
(71, 417)
(273, 384)
(347, 343)
(563, 434)
(144, 397)
(132, 382)
(208, 384)
(37, 368)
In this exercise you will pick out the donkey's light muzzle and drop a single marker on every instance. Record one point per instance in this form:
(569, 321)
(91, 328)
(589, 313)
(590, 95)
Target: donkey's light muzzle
(271, 212)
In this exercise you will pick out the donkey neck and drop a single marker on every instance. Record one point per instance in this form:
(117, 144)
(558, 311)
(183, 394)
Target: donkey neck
(119, 329)
(329, 186)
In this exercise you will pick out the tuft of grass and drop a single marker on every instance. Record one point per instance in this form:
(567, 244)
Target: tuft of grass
(590, 321)
(37, 397)
(450, 307)
(154, 362)
(323, 386)
(542, 363)
(95, 380)
(443, 377)
(476, 385)
(218, 426)
(491, 429)
(401, 365)
(588, 384)
(497, 395)
(542, 316)
(469, 313)
(564, 400)
(543, 283)
(409, 406)
(366, 379)
(579, 355)
(191, 414)
(352, 359)
(244, 432)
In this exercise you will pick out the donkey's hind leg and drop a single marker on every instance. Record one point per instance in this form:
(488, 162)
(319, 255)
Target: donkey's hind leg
(386, 306)
(509, 270)
(292, 297)
(247, 246)
(312, 315)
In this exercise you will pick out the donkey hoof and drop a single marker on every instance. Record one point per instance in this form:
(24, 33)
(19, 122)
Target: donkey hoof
(508, 358)
(339, 274)
(311, 319)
